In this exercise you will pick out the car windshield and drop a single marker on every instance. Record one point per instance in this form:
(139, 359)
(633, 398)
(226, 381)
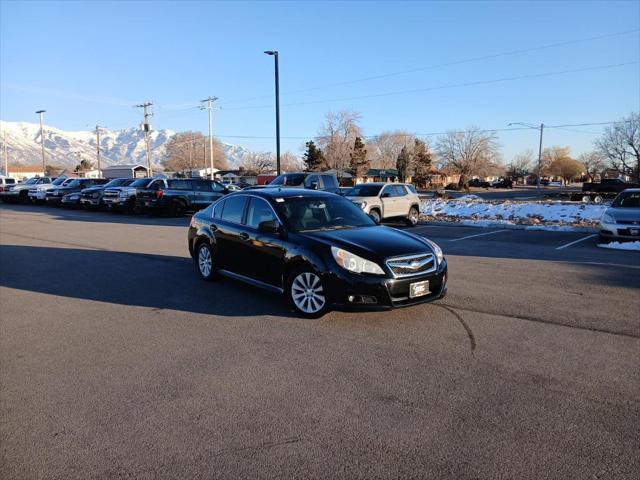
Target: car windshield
(58, 181)
(627, 200)
(31, 181)
(117, 182)
(141, 182)
(364, 191)
(74, 184)
(289, 179)
(305, 214)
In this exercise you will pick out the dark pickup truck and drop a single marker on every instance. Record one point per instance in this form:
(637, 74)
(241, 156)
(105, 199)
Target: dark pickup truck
(597, 192)
(179, 195)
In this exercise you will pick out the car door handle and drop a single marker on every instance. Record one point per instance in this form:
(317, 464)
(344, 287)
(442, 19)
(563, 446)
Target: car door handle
(244, 236)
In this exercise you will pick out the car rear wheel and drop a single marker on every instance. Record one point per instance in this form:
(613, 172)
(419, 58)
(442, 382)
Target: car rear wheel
(307, 293)
(413, 217)
(204, 260)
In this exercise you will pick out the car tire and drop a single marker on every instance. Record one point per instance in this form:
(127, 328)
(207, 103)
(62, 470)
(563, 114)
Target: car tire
(204, 261)
(306, 293)
(177, 208)
(597, 199)
(413, 217)
(603, 239)
(375, 214)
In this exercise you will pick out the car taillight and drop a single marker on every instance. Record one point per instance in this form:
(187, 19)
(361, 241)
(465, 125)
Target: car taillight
(159, 194)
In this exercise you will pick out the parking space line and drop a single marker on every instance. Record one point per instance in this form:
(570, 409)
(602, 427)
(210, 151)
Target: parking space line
(576, 241)
(477, 235)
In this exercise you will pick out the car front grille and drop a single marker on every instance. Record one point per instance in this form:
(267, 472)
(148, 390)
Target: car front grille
(411, 265)
(628, 222)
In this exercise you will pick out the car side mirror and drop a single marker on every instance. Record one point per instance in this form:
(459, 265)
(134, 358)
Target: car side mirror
(313, 185)
(269, 226)
(374, 219)
(385, 195)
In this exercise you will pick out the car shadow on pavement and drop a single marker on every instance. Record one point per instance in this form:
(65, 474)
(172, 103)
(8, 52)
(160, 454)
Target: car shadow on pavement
(99, 216)
(155, 281)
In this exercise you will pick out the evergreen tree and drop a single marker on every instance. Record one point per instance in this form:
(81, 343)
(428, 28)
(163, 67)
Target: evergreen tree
(403, 163)
(359, 163)
(422, 158)
(313, 157)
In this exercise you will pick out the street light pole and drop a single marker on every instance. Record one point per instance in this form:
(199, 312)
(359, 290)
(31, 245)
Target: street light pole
(274, 53)
(209, 101)
(539, 167)
(41, 113)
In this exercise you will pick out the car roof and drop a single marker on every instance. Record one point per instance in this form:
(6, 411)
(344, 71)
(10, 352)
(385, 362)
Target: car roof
(632, 190)
(277, 192)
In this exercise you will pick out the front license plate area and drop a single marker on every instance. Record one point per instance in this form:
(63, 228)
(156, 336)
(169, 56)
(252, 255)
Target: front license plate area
(634, 231)
(419, 289)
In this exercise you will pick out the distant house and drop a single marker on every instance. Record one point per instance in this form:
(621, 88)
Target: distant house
(379, 175)
(201, 172)
(125, 171)
(237, 177)
(93, 173)
(20, 172)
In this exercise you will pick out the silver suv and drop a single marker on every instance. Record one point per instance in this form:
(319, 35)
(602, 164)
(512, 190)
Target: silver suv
(387, 201)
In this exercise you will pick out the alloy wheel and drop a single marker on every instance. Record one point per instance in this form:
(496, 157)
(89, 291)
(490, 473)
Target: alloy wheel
(307, 293)
(205, 263)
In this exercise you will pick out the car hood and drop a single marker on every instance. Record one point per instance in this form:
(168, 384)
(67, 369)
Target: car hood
(93, 189)
(626, 214)
(361, 199)
(372, 242)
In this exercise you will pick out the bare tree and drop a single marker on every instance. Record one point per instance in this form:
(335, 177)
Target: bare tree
(471, 152)
(566, 168)
(594, 164)
(552, 154)
(289, 162)
(383, 150)
(620, 144)
(190, 150)
(337, 137)
(520, 164)
(258, 162)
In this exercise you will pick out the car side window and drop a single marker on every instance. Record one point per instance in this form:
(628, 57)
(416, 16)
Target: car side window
(329, 181)
(181, 184)
(234, 209)
(310, 180)
(217, 187)
(202, 186)
(156, 185)
(259, 211)
(400, 190)
(388, 190)
(217, 210)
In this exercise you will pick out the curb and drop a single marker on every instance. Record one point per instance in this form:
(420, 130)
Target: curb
(507, 226)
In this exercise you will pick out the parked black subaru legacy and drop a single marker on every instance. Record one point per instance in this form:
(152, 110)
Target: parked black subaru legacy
(317, 248)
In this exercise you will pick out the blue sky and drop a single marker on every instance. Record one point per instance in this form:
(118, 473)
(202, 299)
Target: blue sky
(89, 62)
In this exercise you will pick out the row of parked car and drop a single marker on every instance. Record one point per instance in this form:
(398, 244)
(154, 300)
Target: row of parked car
(381, 201)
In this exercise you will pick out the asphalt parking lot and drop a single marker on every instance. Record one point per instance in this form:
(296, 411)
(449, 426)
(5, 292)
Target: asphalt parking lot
(117, 361)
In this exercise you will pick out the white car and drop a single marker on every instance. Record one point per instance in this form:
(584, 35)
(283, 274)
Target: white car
(383, 201)
(38, 193)
(621, 221)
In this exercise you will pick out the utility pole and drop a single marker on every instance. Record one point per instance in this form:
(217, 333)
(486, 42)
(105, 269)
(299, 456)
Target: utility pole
(41, 113)
(540, 155)
(6, 153)
(190, 150)
(209, 101)
(274, 54)
(146, 128)
(98, 149)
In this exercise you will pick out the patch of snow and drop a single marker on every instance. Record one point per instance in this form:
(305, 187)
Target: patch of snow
(635, 246)
(557, 214)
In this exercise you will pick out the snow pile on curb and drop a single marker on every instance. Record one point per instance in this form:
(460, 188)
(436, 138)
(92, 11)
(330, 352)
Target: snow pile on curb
(621, 246)
(473, 211)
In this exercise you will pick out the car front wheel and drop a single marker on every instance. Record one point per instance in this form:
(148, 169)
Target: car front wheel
(307, 294)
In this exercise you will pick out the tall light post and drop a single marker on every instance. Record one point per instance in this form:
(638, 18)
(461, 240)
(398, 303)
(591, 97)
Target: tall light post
(274, 53)
(209, 101)
(41, 113)
(541, 128)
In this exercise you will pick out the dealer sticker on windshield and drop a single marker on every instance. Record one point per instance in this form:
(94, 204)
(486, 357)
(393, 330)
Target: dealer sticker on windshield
(419, 289)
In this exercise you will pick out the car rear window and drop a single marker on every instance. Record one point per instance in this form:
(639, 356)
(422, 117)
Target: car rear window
(330, 181)
(180, 184)
(233, 209)
(9, 181)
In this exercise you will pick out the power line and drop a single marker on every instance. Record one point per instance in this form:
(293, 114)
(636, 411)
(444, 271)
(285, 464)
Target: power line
(441, 65)
(442, 87)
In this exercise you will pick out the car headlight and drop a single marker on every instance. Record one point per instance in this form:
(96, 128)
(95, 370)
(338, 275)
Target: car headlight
(436, 249)
(95, 195)
(362, 205)
(123, 195)
(354, 263)
(606, 218)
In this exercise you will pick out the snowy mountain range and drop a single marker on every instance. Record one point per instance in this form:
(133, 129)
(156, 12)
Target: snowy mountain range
(66, 149)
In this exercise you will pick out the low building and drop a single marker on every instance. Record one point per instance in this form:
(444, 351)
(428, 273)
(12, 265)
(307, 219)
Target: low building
(200, 172)
(237, 177)
(125, 171)
(20, 172)
(387, 175)
(94, 173)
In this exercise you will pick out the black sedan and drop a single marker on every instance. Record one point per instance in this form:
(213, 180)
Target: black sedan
(316, 248)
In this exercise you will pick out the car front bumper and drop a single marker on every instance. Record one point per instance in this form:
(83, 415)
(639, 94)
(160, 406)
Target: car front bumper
(70, 201)
(370, 292)
(53, 200)
(619, 231)
(90, 202)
